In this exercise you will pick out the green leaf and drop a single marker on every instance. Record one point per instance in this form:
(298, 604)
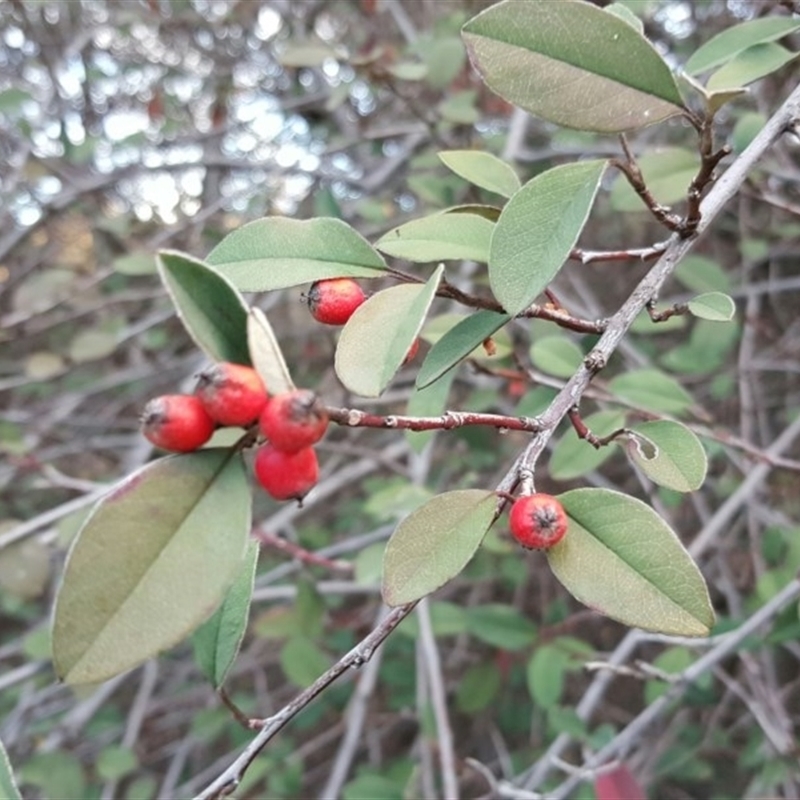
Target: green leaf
(726, 45)
(713, 306)
(545, 673)
(537, 229)
(217, 641)
(707, 349)
(8, 786)
(374, 342)
(651, 389)
(276, 252)
(573, 457)
(58, 774)
(458, 343)
(667, 171)
(435, 543)
(428, 402)
(12, 99)
(621, 559)
(701, 274)
(478, 687)
(266, 354)
(208, 305)
(483, 169)
(302, 661)
(447, 619)
(501, 626)
(750, 65)
(440, 236)
(135, 264)
(573, 64)
(556, 355)
(408, 70)
(669, 454)
(747, 127)
(152, 561)
(115, 761)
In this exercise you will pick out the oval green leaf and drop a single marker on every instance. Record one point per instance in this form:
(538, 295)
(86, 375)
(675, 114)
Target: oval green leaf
(303, 661)
(713, 306)
(458, 343)
(153, 561)
(501, 626)
(726, 45)
(667, 171)
(266, 354)
(375, 340)
(573, 457)
(208, 305)
(482, 169)
(433, 545)
(651, 389)
(546, 673)
(556, 355)
(669, 454)
(276, 252)
(217, 641)
(440, 236)
(750, 65)
(621, 559)
(537, 229)
(573, 64)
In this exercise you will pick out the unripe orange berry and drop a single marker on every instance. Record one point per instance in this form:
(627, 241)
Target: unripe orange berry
(177, 422)
(286, 476)
(333, 301)
(538, 521)
(293, 420)
(233, 394)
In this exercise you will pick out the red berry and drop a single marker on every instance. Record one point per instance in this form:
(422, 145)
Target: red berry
(294, 420)
(412, 352)
(177, 422)
(286, 476)
(233, 394)
(334, 301)
(538, 521)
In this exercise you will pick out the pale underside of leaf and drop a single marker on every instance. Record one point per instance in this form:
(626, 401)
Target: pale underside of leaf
(266, 353)
(277, 252)
(151, 563)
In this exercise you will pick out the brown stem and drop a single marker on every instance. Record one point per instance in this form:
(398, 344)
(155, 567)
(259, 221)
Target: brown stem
(584, 433)
(300, 553)
(354, 418)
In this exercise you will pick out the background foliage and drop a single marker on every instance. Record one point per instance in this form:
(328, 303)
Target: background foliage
(132, 127)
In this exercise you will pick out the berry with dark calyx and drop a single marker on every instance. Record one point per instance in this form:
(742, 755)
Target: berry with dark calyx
(538, 521)
(333, 301)
(177, 422)
(233, 394)
(294, 420)
(286, 476)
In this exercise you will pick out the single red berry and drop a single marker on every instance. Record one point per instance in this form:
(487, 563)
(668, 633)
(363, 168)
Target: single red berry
(538, 521)
(286, 476)
(412, 352)
(233, 394)
(293, 420)
(177, 422)
(334, 301)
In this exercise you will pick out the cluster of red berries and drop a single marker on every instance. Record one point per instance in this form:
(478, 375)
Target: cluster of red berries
(538, 521)
(233, 395)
